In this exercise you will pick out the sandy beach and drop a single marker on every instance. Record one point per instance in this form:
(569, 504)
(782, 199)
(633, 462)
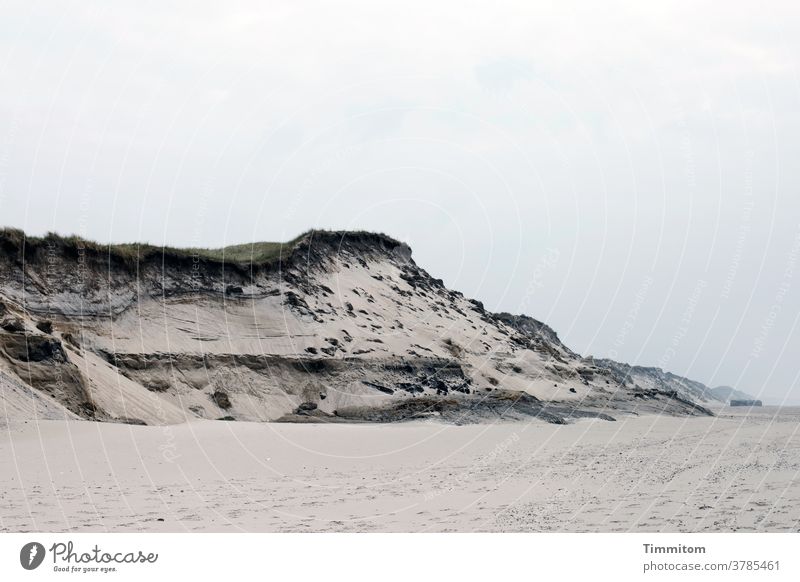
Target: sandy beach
(735, 472)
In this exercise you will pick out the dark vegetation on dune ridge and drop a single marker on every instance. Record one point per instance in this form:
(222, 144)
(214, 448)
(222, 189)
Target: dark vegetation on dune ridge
(14, 243)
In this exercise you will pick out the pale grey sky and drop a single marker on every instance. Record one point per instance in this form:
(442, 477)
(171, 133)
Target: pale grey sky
(626, 172)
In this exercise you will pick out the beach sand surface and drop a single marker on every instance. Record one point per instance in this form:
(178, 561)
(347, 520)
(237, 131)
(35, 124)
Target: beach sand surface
(739, 471)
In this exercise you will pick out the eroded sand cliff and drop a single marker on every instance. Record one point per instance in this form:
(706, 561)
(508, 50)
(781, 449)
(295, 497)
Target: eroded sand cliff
(334, 326)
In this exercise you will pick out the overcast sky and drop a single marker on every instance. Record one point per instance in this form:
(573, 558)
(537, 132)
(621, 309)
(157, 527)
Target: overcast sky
(629, 174)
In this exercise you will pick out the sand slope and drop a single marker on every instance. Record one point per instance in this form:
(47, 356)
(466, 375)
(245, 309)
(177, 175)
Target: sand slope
(21, 402)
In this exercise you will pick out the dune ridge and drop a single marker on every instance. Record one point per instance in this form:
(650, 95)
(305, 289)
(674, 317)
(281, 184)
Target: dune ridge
(329, 327)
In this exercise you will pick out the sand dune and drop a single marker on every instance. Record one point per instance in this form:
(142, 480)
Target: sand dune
(735, 472)
(344, 323)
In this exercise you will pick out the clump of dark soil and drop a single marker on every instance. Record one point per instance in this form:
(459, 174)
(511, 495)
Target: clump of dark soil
(34, 348)
(157, 385)
(221, 399)
(45, 326)
(134, 421)
(12, 324)
(308, 412)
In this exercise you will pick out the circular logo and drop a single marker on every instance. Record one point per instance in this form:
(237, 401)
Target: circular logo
(31, 555)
